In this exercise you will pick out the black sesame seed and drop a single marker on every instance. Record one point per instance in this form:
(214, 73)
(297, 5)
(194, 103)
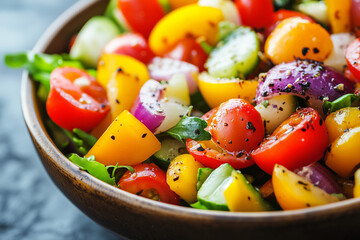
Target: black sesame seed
(144, 135)
(304, 51)
(112, 137)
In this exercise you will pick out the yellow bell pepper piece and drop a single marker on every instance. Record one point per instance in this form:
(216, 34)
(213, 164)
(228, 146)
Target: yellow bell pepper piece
(127, 75)
(126, 142)
(218, 90)
(241, 196)
(356, 190)
(103, 125)
(342, 120)
(298, 38)
(181, 176)
(188, 21)
(339, 15)
(295, 192)
(179, 3)
(342, 156)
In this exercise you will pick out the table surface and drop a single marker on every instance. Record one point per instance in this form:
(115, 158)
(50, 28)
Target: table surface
(31, 207)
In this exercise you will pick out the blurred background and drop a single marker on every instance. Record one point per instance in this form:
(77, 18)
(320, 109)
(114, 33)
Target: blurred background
(31, 207)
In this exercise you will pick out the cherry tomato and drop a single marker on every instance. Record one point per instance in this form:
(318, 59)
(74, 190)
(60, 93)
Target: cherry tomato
(142, 15)
(237, 126)
(76, 100)
(130, 44)
(283, 14)
(298, 141)
(188, 50)
(255, 13)
(352, 56)
(349, 75)
(149, 181)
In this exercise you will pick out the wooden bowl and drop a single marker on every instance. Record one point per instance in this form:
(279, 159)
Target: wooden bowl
(136, 217)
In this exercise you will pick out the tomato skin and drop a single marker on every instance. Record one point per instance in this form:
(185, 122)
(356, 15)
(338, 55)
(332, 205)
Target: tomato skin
(147, 177)
(71, 105)
(255, 13)
(188, 50)
(237, 126)
(142, 15)
(352, 56)
(282, 14)
(130, 44)
(299, 141)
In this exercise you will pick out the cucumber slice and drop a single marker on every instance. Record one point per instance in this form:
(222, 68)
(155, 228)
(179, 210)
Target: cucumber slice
(315, 9)
(92, 38)
(211, 193)
(236, 55)
(116, 15)
(203, 174)
(170, 148)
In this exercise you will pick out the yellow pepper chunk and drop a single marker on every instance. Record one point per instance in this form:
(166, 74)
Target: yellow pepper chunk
(181, 23)
(295, 192)
(126, 142)
(181, 176)
(339, 15)
(218, 90)
(179, 3)
(341, 121)
(127, 75)
(356, 190)
(342, 156)
(241, 196)
(298, 38)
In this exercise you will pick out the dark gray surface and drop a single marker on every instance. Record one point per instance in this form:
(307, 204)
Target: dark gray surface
(31, 207)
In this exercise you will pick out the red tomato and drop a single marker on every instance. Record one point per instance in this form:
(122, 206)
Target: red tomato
(349, 75)
(352, 56)
(76, 100)
(255, 13)
(148, 180)
(299, 141)
(142, 15)
(237, 126)
(130, 44)
(283, 14)
(189, 50)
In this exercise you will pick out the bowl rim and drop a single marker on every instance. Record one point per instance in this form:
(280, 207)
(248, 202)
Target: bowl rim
(36, 128)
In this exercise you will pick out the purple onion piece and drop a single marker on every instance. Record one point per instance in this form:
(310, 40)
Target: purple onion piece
(164, 68)
(304, 78)
(147, 108)
(320, 176)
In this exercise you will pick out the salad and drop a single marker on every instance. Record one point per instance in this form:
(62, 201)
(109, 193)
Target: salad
(212, 104)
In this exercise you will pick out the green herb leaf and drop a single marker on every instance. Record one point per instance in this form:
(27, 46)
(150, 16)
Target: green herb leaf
(199, 205)
(82, 141)
(190, 127)
(206, 47)
(265, 103)
(342, 102)
(93, 167)
(198, 102)
(88, 138)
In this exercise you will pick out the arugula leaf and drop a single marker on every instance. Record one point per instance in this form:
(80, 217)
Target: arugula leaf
(190, 127)
(88, 138)
(342, 102)
(93, 167)
(82, 141)
(199, 103)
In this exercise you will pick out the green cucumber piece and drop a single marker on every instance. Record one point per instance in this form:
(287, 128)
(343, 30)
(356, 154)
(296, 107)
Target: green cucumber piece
(203, 174)
(211, 193)
(315, 9)
(170, 148)
(92, 38)
(114, 13)
(236, 55)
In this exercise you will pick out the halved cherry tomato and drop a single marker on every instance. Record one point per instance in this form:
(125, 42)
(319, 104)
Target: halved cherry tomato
(352, 56)
(236, 128)
(76, 100)
(298, 141)
(350, 76)
(130, 44)
(188, 50)
(142, 15)
(149, 181)
(255, 13)
(282, 14)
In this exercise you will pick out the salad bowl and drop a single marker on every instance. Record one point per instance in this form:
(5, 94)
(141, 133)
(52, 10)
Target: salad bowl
(140, 218)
